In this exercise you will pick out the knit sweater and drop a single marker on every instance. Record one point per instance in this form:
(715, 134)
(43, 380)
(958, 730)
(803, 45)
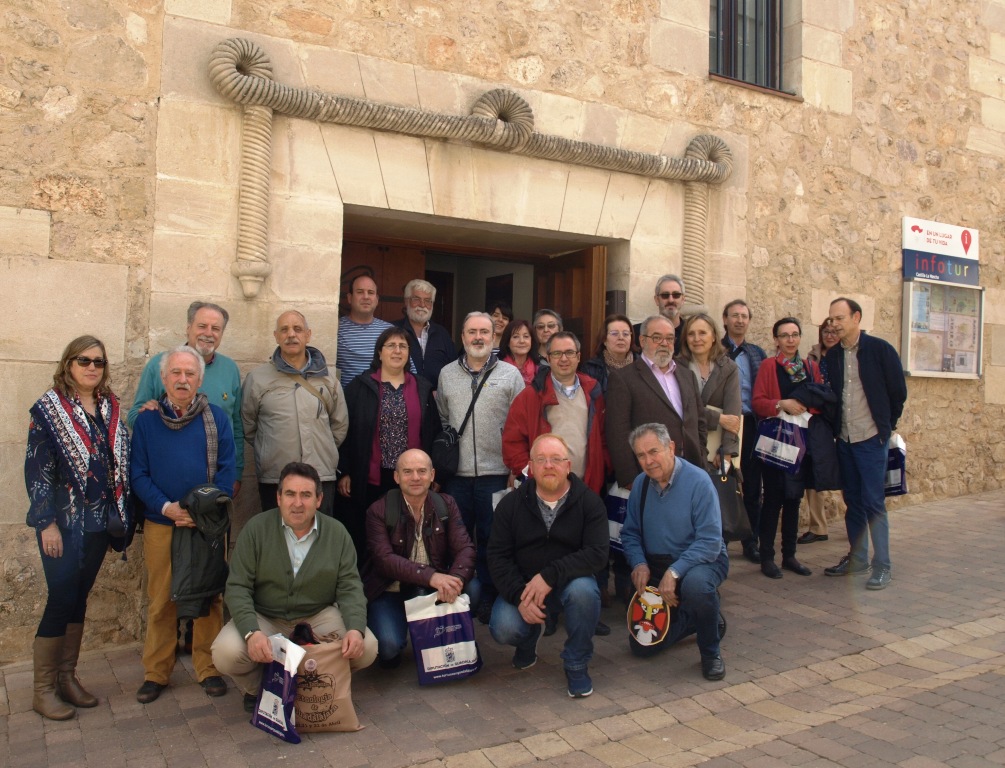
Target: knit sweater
(262, 581)
(683, 522)
(481, 443)
(221, 384)
(167, 463)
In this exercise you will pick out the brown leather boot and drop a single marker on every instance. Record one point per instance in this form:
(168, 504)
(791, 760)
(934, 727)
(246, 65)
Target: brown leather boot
(47, 652)
(67, 685)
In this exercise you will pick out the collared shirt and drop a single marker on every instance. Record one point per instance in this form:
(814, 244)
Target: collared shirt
(424, 337)
(856, 417)
(570, 391)
(661, 492)
(298, 548)
(419, 553)
(669, 384)
(549, 509)
(747, 374)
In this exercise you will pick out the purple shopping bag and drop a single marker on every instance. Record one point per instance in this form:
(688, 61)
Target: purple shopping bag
(443, 638)
(274, 710)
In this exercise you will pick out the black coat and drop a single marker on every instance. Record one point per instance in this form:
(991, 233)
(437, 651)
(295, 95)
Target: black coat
(521, 546)
(362, 399)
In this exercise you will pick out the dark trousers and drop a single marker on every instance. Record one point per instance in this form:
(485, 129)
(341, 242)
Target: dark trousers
(69, 579)
(751, 469)
(474, 499)
(775, 502)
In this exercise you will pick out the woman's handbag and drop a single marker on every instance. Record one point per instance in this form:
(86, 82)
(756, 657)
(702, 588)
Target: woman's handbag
(781, 441)
(446, 449)
(735, 523)
(896, 467)
(443, 638)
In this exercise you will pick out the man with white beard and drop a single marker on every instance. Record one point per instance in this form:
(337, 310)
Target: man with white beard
(221, 384)
(429, 343)
(481, 470)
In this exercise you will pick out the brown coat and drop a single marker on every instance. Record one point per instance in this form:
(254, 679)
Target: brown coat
(635, 397)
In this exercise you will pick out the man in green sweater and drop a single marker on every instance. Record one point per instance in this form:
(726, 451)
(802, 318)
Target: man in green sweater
(291, 565)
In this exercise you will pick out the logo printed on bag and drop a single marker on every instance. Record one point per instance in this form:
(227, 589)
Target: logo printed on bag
(441, 630)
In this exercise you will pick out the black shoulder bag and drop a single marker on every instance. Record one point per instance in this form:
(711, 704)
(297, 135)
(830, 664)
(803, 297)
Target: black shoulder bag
(446, 450)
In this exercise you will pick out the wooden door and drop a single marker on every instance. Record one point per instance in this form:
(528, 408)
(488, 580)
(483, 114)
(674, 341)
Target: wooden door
(390, 266)
(573, 285)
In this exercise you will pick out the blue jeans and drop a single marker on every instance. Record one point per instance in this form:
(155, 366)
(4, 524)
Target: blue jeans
(474, 498)
(697, 612)
(385, 617)
(579, 600)
(863, 472)
(69, 580)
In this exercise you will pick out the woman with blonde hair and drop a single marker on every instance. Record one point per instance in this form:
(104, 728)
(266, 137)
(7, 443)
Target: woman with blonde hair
(76, 470)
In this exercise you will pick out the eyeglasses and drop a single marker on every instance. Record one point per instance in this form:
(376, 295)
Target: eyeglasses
(546, 326)
(788, 336)
(558, 354)
(659, 339)
(396, 347)
(97, 362)
(620, 334)
(668, 294)
(830, 332)
(543, 461)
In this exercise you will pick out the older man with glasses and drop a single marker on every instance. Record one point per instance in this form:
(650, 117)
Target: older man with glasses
(669, 297)
(654, 389)
(429, 343)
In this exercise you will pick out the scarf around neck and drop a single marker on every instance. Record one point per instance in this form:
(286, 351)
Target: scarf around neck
(794, 367)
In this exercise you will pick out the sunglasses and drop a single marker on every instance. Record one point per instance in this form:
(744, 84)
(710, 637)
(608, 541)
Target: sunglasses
(668, 294)
(97, 362)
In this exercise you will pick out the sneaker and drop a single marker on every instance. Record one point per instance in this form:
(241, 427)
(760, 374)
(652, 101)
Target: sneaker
(525, 658)
(250, 700)
(846, 568)
(214, 686)
(580, 684)
(880, 579)
(149, 691)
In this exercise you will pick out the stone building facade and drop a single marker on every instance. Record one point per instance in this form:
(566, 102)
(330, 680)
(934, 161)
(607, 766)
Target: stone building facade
(121, 171)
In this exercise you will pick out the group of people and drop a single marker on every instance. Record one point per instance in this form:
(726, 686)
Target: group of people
(520, 525)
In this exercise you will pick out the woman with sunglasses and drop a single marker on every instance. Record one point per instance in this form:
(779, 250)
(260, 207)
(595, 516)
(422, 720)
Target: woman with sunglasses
(777, 389)
(390, 411)
(76, 470)
(817, 530)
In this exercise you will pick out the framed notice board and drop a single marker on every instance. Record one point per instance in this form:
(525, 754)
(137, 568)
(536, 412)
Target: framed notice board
(943, 330)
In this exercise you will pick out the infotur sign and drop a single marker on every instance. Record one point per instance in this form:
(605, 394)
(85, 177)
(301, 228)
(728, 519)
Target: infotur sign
(941, 252)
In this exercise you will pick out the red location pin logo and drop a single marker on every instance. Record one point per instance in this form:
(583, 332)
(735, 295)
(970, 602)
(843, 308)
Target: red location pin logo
(966, 240)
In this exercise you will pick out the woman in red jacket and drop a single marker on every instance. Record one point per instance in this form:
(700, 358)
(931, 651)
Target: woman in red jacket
(778, 379)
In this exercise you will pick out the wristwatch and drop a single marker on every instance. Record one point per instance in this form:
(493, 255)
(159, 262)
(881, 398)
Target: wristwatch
(249, 634)
(674, 574)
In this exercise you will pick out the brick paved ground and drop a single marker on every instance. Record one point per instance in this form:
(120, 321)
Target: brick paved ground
(820, 672)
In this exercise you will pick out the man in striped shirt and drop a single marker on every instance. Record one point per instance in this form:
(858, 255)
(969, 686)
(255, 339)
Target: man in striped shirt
(358, 331)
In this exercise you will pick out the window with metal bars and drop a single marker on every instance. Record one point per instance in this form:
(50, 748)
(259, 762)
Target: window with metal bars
(745, 41)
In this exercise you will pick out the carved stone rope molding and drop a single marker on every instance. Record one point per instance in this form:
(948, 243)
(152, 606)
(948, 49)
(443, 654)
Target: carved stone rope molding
(500, 119)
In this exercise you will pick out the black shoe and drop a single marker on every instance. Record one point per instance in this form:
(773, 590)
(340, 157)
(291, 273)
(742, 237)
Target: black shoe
(485, 611)
(880, 579)
(392, 663)
(769, 569)
(550, 624)
(214, 686)
(149, 691)
(809, 537)
(847, 568)
(791, 564)
(750, 552)
(601, 630)
(713, 667)
(250, 700)
(722, 626)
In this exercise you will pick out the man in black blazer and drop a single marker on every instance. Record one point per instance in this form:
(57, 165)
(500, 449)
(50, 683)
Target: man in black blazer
(654, 389)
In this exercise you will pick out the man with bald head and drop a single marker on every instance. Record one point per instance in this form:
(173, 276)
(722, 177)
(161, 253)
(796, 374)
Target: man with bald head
(294, 410)
(418, 544)
(184, 443)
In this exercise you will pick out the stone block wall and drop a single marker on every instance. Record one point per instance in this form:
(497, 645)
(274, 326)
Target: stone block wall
(118, 199)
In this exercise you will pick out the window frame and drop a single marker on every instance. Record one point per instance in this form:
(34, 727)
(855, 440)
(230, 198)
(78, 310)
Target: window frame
(728, 35)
